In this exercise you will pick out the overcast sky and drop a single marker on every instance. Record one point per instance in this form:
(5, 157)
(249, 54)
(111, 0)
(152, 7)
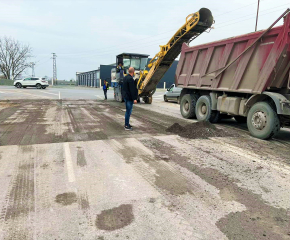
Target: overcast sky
(85, 34)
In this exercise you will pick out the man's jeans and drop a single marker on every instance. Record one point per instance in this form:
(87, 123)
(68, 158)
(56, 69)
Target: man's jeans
(105, 93)
(129, 107)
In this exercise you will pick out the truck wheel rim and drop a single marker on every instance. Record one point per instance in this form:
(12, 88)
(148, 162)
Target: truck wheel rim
(259, 120)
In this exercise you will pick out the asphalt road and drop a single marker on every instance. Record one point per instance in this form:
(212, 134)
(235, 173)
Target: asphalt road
(68, 170)
(10, 92)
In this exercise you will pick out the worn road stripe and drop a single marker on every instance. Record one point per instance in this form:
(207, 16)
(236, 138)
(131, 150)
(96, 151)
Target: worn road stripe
(69, 163)
(58, 95)
(49, 93)
(99, 97)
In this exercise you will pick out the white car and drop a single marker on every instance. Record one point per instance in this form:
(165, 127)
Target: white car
(39, 83)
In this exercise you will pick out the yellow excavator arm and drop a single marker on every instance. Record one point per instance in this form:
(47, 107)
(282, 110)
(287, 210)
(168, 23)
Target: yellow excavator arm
(195, 24)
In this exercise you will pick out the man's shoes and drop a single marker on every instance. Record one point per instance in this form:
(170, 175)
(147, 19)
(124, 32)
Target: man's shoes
(128, 128)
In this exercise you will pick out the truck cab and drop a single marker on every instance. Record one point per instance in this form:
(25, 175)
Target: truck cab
(137, 61)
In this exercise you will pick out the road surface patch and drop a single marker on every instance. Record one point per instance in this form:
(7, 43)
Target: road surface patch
(115, 218)
(66, 198)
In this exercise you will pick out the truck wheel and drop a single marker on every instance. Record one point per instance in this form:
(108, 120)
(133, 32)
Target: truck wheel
(241, 119)
(263, 121)
(204, 112)
(187, 106)
(165, 99)
(38, 86)
(18, 85)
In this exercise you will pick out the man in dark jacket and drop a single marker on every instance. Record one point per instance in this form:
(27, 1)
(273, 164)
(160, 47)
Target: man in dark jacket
(130, 94)
(105, 88)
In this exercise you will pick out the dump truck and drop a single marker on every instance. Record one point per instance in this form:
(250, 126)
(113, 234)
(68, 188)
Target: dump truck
(246, 77)
(147, 80)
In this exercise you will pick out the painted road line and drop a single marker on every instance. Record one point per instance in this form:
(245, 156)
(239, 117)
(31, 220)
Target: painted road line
(49, 93)
(2, 92)
(69, 163)
(58, 95)
(98, 96)
(33, 94)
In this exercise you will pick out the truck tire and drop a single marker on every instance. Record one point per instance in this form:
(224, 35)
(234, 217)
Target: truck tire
(187, 106)
(241, 119)
(19, 85)
(263, 121)
(204, 112)
(38, 86)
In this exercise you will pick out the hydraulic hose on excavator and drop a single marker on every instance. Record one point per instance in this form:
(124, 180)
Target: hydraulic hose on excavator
(196, 24)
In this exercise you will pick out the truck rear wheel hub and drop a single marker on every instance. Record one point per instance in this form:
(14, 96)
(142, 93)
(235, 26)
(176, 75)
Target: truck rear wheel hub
(259, 120)
(186, 106)
(203, 109)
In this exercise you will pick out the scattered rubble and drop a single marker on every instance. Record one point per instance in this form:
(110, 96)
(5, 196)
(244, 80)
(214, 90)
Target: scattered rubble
(198, 130)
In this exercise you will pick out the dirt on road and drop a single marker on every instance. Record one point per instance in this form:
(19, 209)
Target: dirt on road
(69, 170)
(200, 130)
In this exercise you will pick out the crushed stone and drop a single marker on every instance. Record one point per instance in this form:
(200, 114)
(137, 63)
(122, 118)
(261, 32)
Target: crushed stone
(199, 130)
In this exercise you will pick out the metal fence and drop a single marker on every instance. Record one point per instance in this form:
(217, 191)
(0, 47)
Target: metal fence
(6, 82)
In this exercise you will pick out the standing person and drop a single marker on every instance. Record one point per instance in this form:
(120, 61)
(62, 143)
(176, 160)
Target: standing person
(105, 89)
(130, 94)
(120, 67)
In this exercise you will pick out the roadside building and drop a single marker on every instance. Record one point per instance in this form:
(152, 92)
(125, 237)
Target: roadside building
(95, 78)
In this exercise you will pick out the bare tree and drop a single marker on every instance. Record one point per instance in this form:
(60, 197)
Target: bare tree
(13, 57)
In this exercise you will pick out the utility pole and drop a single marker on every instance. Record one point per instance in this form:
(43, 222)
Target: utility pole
(54, 78)
(32, 66)
(257, 15)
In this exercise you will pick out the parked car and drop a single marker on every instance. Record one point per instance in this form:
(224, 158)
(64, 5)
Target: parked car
(172, 94)
(39, 83)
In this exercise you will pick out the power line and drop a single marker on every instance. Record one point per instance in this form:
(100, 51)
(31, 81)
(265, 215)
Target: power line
(112, 49)
(82, 53)
(253, 13)
(250, 18)
(138, 46)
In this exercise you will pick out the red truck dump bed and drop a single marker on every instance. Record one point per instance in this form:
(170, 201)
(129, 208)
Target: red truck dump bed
(264, 66)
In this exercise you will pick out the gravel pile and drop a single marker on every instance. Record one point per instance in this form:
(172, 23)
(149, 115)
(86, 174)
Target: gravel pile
(198, 130)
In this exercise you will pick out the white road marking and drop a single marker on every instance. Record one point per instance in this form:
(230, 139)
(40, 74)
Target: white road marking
(49, 93)
(32, 94)
(2, 92)
(99, 97)
(58, 95)
(69, 163)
